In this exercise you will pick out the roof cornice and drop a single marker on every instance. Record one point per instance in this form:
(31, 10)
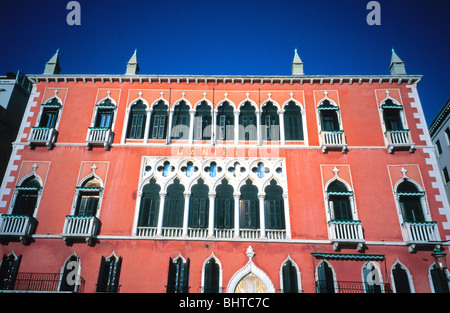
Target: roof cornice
(234, 79)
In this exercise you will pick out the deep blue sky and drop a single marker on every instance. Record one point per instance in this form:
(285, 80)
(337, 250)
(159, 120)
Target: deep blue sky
(245, 37)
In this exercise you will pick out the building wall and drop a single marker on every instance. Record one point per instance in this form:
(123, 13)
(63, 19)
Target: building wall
(367, 167)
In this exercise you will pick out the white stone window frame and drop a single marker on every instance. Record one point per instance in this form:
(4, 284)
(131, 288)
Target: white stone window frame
(423, 200)
(16, 193)
(408, 274)
(77, 193)
(148, 111)
(42, 108)
(96, 108)
(152, 163)
(212, 256)
(328, 206)
(299, 279)
(381, 111)
(282, 112)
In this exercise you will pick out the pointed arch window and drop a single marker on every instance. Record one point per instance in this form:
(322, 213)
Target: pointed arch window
(178, 277)
(105, 114)
(174, 205)
(392, 115)
(410, 202)
(27, 196)
(325, 280)
(225, 122)
(180, 122)
(9, 270)
(339, 201)
(158, 121)
(401, 280)
(149, 209)
(88, 198)
(137, 118)
(224, 206)
(247, 122)
(109, 274)
(199, 205)
(329, 116)
(439, 280)
(202, 122)
(274, 206)
(69, 281)
(371, 278)
(211, 280)
(289, 277)
(293, 127)
(270, 122)
(249, 206)
(50, 112)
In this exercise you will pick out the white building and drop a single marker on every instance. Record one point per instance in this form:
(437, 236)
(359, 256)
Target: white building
(440, 135)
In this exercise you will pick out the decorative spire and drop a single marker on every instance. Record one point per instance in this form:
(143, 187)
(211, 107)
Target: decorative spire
(297, 65)
(132, 65)
(397, 66)
(52, 66)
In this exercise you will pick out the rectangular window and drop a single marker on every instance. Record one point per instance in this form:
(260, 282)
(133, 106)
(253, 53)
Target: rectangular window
(173, 213)
(273, 214)
(224, 213)
(249, 217)
(439, 148)
(446, 175)
(447, 132)
(48, 118)
(87, 205)
(149, 212)
(104, 118)
(137, 127)
(162, 127)
(198, 213)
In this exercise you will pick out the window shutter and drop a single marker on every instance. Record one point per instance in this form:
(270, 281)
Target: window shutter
(170, 288)
(162, 126)
(155, 126)
(102, 276)
(116, 275)
(184, 282)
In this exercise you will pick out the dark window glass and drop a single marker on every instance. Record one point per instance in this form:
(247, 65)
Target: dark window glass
(8, 271)
(174, 205)
(178, 277)
(180, 121)
(293, 122)
(270, 122)
(249, 206)
(401, 280)
(27, 196)
(212, 272)
(49, 117)
(199, 206)
(224, 202)
(225, 122)
(137, 119)
(290, 282)
(149, 210)
(108, 276)
(247, 122)
(410, 202)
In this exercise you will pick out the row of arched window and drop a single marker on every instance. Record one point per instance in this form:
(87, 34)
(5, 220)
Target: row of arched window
(223, 211)
(69, 278)
(226, 123)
